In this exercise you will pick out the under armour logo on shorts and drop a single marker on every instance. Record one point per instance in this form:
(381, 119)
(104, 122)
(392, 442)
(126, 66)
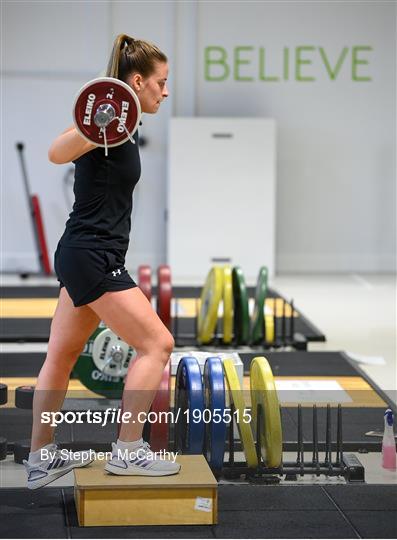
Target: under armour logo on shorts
(116, 272)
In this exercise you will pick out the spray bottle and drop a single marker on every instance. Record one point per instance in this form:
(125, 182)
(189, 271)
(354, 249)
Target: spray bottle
(388, 442)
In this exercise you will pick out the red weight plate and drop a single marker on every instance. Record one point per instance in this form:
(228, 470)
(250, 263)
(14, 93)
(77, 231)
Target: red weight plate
(159, 430)
(145, 281)
(164, 294)
(106, 91)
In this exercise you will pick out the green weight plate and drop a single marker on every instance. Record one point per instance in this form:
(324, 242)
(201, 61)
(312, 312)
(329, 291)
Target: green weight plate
(103, 363)
(258, 322)
(241, 311)
(210, 298)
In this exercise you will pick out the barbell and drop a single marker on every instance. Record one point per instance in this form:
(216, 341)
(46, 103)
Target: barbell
(106, 112)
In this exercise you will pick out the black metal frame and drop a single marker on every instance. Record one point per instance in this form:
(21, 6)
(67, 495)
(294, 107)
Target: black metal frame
(284, 338)
(346, 465)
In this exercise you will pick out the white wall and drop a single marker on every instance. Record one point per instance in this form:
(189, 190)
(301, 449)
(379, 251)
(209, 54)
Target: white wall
(49, 51)
(336, 172)
(336, 138)
(46, 56)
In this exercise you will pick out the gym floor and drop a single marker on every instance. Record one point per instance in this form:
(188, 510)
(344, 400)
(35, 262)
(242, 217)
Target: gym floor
(357, 313)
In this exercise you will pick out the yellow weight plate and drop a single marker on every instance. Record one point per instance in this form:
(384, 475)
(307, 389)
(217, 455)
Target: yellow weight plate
(244, 427)
(210, 297)
(263, 392)
(227, 305)
(269, 328)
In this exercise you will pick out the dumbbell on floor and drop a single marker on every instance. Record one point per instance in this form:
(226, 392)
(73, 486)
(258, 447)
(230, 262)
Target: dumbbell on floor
(3, 401)
(23, 400)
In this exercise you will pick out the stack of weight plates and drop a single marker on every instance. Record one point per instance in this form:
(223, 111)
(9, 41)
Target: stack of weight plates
(226, 287)
(203, 417)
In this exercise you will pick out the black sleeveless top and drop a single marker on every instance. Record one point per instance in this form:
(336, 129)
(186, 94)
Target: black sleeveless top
(103, 188)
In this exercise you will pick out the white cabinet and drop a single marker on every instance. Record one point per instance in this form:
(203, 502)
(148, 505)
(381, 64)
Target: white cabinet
(221, 196)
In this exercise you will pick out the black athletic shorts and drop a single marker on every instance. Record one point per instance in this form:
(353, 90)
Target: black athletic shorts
(89, 273)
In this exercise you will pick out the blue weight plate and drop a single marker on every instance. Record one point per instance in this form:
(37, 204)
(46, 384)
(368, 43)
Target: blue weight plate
(214, 402)
(189, 406)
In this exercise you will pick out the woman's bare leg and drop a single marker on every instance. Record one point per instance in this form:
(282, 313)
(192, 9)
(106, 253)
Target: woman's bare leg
(130, 315)
(70, 329)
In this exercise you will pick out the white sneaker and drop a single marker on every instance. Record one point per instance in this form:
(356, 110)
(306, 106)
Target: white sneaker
(46, 471)
(140, 462)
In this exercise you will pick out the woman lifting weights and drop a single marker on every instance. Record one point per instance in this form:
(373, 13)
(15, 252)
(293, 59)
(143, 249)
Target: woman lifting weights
(94, 284)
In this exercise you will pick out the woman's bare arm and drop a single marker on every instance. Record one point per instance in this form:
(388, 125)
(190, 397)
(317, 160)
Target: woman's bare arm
(68, 146)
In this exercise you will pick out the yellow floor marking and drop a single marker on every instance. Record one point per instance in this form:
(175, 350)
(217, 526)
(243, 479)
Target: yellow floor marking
(44, 308)
(31, 308)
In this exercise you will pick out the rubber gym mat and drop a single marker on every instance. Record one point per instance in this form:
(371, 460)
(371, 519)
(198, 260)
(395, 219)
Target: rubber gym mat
(370, 511)
(304, 363)
(26, 364)
(295, 363)
(25, 329)
(244, 511)
(48, 291)
(33, 514)
(52, 291)
(38, 330)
